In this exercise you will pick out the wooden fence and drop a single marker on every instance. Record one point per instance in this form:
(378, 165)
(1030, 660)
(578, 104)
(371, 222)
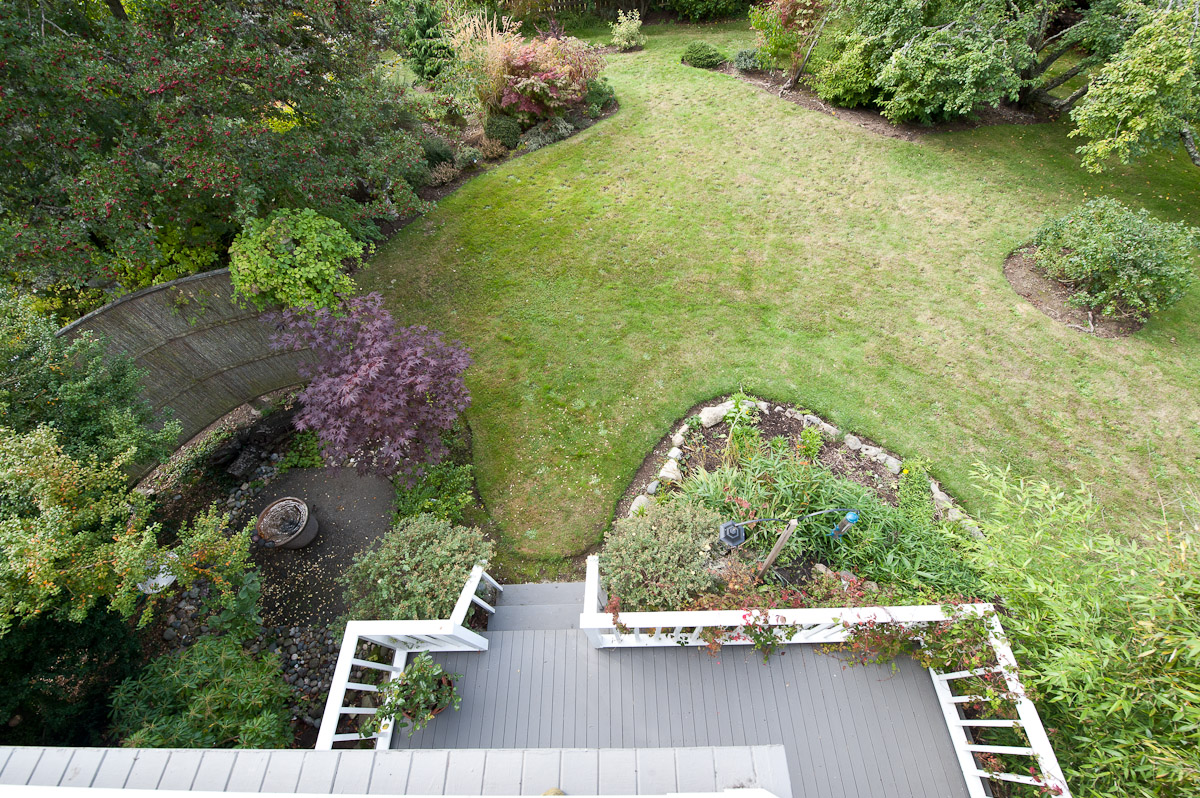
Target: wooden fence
(204, 355)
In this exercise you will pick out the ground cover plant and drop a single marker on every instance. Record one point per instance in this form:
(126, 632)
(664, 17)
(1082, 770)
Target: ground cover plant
(869, 287)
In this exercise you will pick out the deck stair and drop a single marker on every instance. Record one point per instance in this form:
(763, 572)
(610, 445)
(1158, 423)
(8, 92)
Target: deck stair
(542, 606)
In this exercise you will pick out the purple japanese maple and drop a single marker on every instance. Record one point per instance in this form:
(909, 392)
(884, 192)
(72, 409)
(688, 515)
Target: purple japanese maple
(380, 395)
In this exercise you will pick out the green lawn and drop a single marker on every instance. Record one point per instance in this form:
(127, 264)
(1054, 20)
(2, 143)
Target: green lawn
(711, 236)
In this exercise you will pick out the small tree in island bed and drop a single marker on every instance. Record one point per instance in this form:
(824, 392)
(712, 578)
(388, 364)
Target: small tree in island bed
(379, 395)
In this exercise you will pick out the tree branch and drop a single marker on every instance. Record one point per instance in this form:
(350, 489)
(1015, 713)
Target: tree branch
(1064, 77)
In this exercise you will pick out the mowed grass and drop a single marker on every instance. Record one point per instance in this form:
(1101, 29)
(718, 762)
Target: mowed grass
(710, 236)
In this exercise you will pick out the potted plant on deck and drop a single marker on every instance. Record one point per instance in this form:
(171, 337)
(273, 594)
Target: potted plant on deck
(419, 693)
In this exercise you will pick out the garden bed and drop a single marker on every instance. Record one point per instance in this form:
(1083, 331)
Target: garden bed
(773, 81)
(784, 420)
(899, 537)
(1051, 297)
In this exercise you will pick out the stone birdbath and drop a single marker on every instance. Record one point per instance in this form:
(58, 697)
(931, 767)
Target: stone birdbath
(286, 523)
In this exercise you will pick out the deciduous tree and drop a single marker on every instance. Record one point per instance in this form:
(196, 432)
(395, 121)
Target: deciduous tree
(187, 117)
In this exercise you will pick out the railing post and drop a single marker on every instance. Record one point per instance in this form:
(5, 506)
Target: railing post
(591, 600)
(337, 690)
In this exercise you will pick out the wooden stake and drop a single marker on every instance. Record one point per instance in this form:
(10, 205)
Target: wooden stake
(778, 547)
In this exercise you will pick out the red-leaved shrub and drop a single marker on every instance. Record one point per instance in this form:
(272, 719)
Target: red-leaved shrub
(376, 394)
(545, 76)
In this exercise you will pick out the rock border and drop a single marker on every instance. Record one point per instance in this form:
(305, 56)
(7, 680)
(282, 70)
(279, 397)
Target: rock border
(712, 415)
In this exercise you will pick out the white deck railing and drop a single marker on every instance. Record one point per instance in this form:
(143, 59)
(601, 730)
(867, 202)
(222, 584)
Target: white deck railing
(400, 638)
(817, 626)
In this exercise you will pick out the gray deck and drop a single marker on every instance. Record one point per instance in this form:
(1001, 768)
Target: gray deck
(460, 772)
(853, 732)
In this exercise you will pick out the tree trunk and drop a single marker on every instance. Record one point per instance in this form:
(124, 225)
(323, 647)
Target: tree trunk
(118, 10)
(1189, 144)
(795, 77)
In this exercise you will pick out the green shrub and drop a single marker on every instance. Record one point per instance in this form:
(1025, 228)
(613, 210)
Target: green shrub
(292, 258)
(627, 31)
(696, 10)
(1107, 633)
(849, 79)
(426, 49)
(467, 158)
(702, 55)
(1119, 261)
(90, 396)
(437, 151)
(504, 129)
(55, 693)
(657, 560)
(444, 491)
(416, 572)
(211, 695)
(746, 60)
(599, 96)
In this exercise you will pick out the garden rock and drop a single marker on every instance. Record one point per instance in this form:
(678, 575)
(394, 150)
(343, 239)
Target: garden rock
(675, 453)
(640, 505)
(670, 472)
(652, 488)
(870, 451)
(892, 464)
(712, 416)
(677, 439)
(853, 443)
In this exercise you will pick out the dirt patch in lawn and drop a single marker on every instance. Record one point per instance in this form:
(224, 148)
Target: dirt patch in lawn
(872, 120)
(1050, 297)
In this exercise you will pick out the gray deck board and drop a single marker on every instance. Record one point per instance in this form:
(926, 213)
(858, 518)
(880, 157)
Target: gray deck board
(215, 768)
(181, 770)
(847, 731)
(353, 772)
(51, 767)
(82, 767)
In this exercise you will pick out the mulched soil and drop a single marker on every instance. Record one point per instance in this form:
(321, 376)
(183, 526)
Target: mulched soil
(1050, 297)
(705, 449)
(772, 81)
